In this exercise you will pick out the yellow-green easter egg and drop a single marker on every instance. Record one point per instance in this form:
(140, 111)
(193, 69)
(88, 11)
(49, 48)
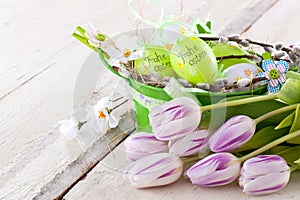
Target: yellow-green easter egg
(193, 60)
(156, 59)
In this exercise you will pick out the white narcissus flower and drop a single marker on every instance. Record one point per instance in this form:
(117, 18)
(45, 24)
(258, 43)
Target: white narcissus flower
(101, 116)
(122, 49)
(68, 127)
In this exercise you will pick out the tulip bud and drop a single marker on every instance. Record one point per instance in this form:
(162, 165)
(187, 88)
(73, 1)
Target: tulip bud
(175, 118)
(142, 144)
(215, 170)
(264, 174)
(290, 92)
(192, 143)
(154, 170)
(232, 134)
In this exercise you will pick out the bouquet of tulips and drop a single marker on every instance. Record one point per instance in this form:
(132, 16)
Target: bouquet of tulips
(262, 160)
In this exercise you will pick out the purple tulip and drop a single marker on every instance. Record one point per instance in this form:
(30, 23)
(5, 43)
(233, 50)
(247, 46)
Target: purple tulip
(232, 134)
(154, 170)
(175, 118)
(192, 143)
(142, 144)
(215, 170)
(264, 174)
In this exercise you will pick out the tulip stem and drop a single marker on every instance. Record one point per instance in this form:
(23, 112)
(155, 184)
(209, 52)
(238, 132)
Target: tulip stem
(239, 102)
(270, 145)
(294, 167)
(275, 112)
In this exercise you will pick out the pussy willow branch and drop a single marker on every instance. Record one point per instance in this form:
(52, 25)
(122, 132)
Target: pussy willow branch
(251, 57)
(286, 49)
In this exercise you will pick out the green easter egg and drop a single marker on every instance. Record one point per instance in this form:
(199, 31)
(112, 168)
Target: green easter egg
(156, 59)
(193, 60)
(221, 50)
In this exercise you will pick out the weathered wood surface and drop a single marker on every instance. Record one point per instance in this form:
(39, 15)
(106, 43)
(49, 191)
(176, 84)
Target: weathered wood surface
(39, 70)
(278, 24)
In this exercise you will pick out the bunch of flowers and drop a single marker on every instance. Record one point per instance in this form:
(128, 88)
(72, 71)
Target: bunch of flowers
(158, 158)
(99, 117)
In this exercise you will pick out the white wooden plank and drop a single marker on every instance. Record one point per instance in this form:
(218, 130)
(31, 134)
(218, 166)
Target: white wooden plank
(33, 30)
(72, 158)
(106, 181)
(247, 17)
(279, 24)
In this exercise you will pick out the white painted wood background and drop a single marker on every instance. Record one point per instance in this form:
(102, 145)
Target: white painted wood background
(40, 65)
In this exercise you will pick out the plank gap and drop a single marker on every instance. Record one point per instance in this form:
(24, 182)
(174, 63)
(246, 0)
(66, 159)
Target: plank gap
(259, 17)
(90, 168)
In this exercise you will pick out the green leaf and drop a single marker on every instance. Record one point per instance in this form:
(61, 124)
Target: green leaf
(208, 24)
(277, 149)
(214, 119)
(291, 155)
(295, 126)
(267, 56)
(263, 137)
(286, 122)
(201, 29)
(291, 74)
(290, 92)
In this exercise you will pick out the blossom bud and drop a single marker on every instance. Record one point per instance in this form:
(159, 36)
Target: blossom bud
(175, 118)
(232, 134)
(215, 170)
(223, 40)
(278, 46)
(264, 174)
(192, 143)
(234, 36)
(244, 43)
(142, 144)
(154, 170)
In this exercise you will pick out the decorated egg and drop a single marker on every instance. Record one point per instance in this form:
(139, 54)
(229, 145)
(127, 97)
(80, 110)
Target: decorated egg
(240, 71)
(156, 59)
(221, 50)
(193, 60)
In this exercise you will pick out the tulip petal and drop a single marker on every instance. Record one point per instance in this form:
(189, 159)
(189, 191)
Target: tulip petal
(175, 118)
(267, 184)
(264, 174)
(141, 144)
(265, 164)
(215, 170)
(235, 132)
(154, 170)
